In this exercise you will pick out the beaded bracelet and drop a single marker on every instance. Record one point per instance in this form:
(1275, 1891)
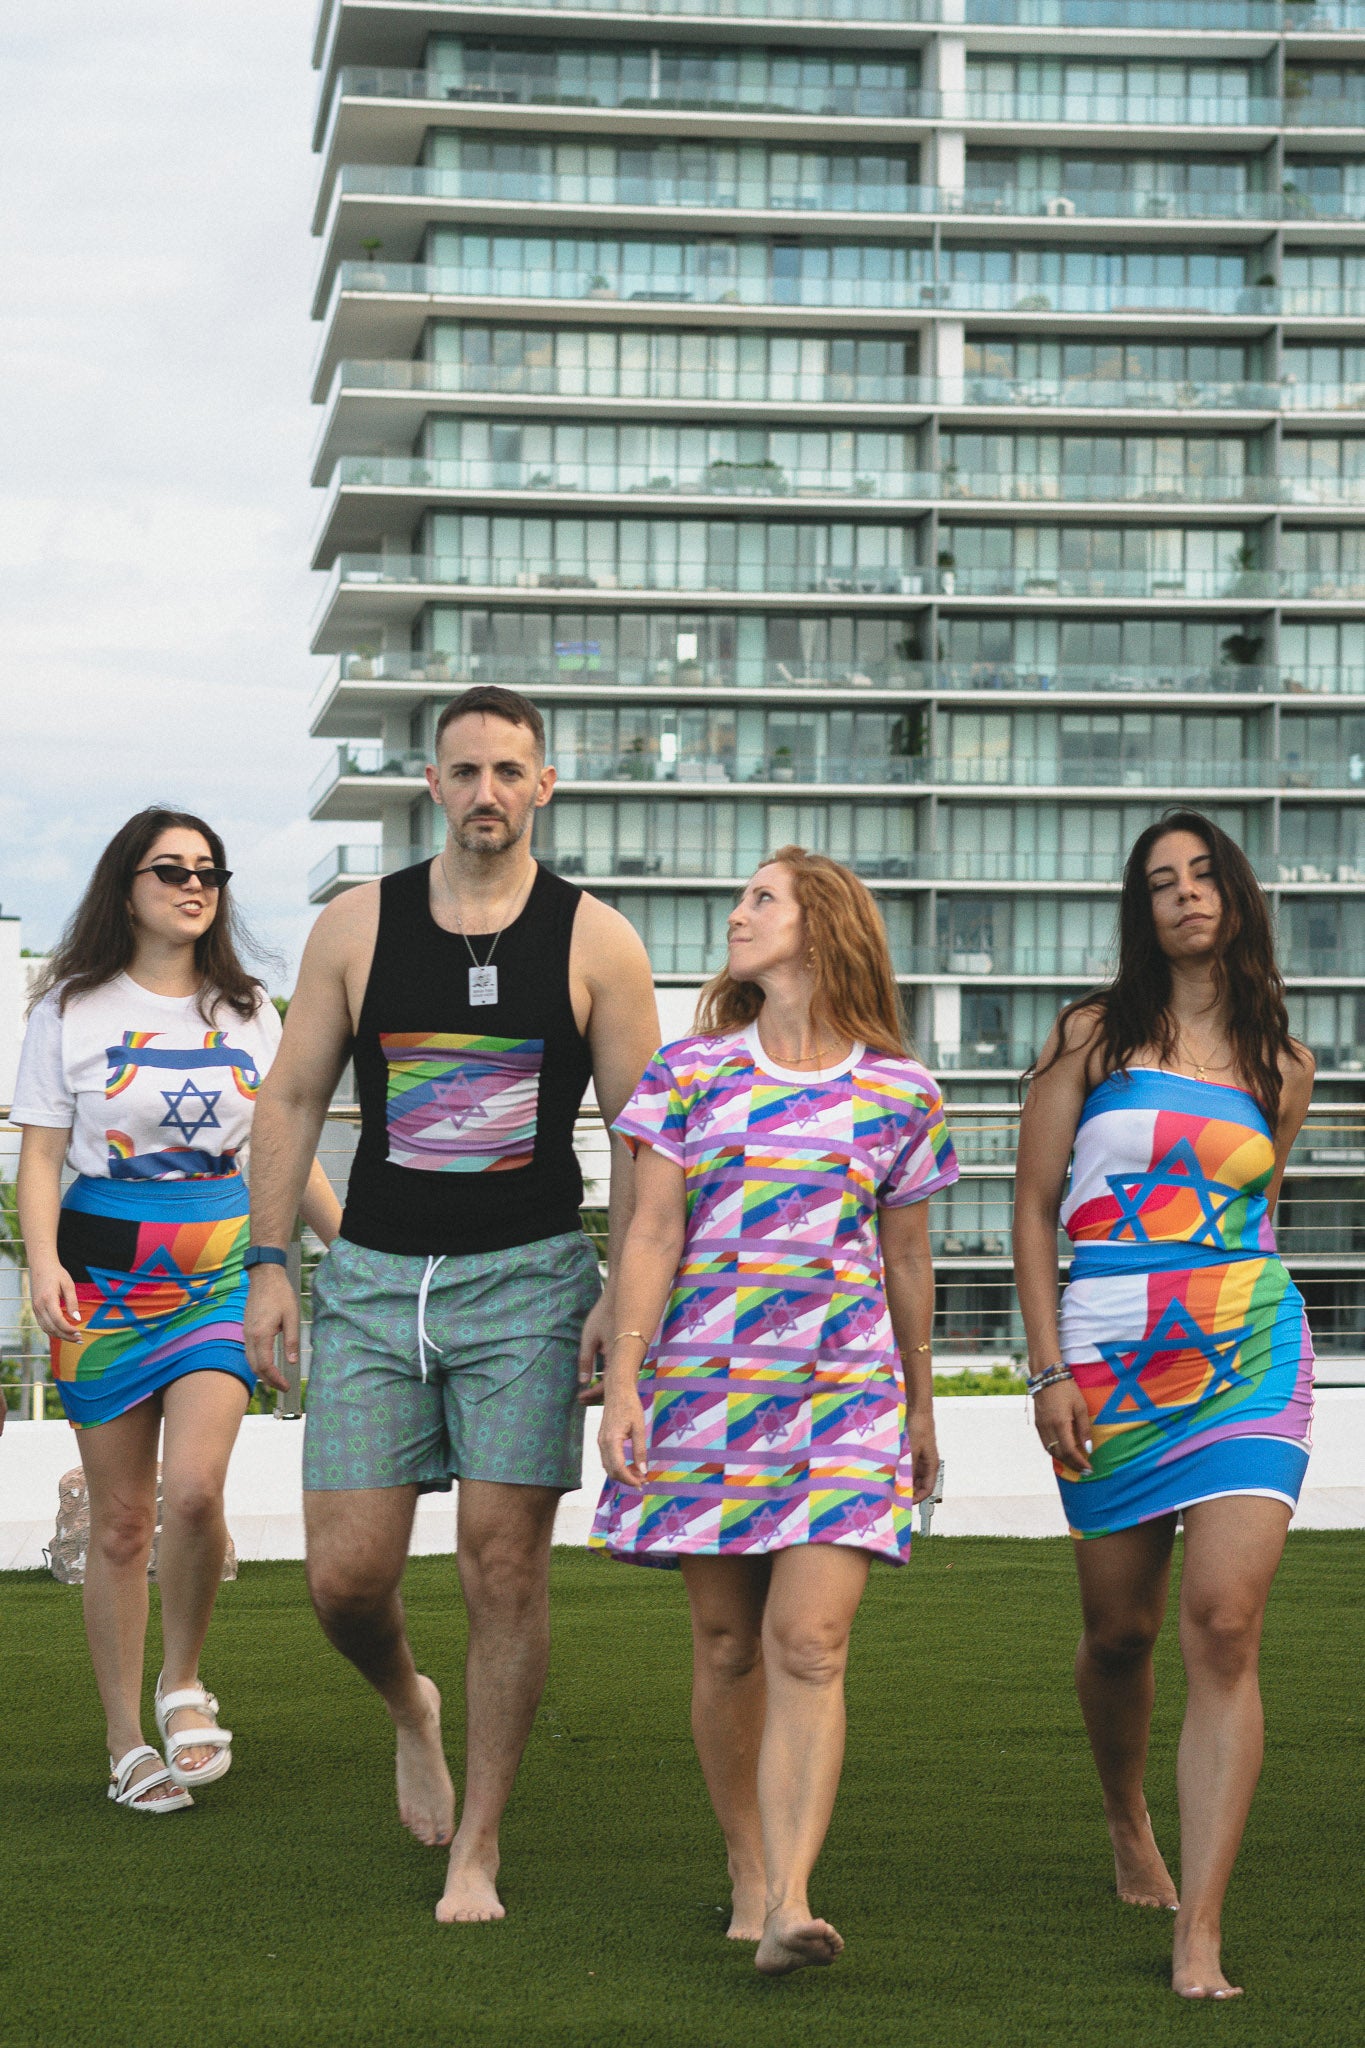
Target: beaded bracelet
(1050, 1376)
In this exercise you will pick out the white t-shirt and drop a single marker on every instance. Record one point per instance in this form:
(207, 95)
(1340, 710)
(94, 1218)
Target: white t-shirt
(147, 1089)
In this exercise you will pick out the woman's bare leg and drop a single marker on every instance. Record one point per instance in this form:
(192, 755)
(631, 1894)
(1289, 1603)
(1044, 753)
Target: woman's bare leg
(812, 1599)
(203, 1413)
(729, 1696)
(119, 1459)
(1124, 1580)
(1232, 1549)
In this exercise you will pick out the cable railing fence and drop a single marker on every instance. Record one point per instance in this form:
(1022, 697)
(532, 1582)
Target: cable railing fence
(1320, 1226)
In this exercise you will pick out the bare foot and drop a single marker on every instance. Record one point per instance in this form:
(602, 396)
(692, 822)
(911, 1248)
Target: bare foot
(793, 1941)
(426, 1797)
(471, 1891)
(1140, 1875)
(746, 1911)
(1197, 1970)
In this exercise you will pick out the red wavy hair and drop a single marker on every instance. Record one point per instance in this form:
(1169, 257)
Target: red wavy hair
(855, 986)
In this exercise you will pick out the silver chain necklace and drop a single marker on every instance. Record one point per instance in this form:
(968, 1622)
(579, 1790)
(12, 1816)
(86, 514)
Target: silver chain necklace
(483, 975)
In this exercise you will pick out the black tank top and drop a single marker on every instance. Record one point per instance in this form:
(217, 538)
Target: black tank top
(467, 1111)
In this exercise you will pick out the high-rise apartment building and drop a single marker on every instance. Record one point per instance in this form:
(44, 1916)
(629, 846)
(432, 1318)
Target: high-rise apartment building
(927, 430)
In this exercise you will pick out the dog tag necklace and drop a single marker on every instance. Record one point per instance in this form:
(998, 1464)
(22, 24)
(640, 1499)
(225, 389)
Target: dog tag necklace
(483, 975)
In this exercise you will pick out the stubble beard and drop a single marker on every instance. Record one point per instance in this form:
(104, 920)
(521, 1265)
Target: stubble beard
(473, 837)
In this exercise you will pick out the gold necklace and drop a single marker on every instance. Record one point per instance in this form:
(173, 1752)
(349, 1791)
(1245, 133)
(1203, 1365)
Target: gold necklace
(799, 1059)
(1201, 1067)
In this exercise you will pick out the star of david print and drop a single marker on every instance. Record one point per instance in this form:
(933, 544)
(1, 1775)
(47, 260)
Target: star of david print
(769, 1421)
(1176, 1330)
(863, 1415)
(117, 1311)
(794, 1209)
(188, 1096)
(1180, 1169)
(458, 1101)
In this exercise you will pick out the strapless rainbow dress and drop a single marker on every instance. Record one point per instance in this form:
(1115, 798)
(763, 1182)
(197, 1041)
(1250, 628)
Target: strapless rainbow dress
(1185, 1333)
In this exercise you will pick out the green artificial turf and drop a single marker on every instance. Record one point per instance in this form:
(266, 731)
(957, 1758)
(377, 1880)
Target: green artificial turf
(967, 1866)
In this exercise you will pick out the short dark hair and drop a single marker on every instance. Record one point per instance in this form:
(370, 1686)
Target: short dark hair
(495, 702)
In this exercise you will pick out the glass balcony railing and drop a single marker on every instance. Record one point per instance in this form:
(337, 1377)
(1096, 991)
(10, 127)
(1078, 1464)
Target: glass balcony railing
(1085, 963)
(713, 479)
(521, 572)
(857, 293)
(1054, 582)
(769, 479)
(534, 88)
(1230, 16)
(838, 387)
(854, 193)
(659, 381)
(1337, 963)
(532, 669)
(1113, 111)
(1317, 111)
(344, 864)
(1336, 584)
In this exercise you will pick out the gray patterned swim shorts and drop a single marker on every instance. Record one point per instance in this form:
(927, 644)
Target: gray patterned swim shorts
(428, 1370)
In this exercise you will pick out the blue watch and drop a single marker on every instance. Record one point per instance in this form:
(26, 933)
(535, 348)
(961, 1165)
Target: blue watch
(264, 1255)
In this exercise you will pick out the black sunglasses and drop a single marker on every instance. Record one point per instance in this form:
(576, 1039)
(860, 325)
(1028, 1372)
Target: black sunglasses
(175, 876)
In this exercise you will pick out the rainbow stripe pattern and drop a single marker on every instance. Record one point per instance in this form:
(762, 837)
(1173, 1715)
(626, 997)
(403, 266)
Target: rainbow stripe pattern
(458, 1102)
(1185, 1333)
(773, 1388)
(159, 1280)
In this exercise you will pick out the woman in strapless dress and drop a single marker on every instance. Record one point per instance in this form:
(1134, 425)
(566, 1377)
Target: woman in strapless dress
(1176, 1378)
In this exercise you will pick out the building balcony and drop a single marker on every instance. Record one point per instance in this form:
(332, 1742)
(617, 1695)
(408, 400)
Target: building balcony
(847, 579)
(532, 88)
(359, 687)
(397, 203)
(364, 488)
(860, 294)
(341, 869)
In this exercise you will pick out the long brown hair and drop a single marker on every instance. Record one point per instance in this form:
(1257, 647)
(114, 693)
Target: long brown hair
(855, 988)
(99, 941)
(1134, 1009)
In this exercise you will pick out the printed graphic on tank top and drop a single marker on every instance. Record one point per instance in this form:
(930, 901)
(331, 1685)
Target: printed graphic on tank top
(467, 1100)
(457, 1102)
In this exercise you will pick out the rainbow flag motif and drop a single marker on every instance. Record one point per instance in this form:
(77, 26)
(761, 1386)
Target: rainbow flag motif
(458, 1102)
(1185, 1333)
(773, 1389)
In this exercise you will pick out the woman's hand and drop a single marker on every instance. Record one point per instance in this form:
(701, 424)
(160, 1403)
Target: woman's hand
(923, 1455)
(55, 1307)
(1062, 1421)
(623, 1423)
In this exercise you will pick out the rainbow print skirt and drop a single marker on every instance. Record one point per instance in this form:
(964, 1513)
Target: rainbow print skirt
(159, 1278)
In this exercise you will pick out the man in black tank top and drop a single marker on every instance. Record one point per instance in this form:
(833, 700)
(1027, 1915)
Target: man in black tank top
(457, 1319)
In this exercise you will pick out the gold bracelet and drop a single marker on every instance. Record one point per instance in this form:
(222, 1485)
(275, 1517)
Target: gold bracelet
(924, 1347)
(630, 1333)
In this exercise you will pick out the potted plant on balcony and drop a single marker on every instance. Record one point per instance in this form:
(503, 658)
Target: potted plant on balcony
(947, 567)
(360, 665)
(600, 286)
(373, 277)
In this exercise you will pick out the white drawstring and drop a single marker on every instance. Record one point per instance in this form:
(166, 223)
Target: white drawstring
(422, 1293)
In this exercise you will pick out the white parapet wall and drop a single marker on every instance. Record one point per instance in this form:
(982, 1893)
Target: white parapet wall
(997, 1481)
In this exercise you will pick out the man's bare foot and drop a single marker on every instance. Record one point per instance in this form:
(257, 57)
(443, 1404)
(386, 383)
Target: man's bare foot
(793, 1941)
(1140, 1874)
(426, 1797)
(1197, 1969)
(471, 1891)
(746, 1911)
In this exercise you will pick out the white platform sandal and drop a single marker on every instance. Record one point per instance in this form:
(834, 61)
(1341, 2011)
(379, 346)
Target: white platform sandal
(176, 1740)
(124, 1793)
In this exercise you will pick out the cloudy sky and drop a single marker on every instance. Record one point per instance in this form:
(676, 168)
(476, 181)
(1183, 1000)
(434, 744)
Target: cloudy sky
(155, 513)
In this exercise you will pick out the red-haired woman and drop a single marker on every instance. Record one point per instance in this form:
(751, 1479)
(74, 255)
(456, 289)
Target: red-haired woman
(768, 1416)
(144, 1051)
(1178, 1377)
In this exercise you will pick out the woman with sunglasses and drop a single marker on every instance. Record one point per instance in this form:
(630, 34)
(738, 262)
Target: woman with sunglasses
(146, 1044)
